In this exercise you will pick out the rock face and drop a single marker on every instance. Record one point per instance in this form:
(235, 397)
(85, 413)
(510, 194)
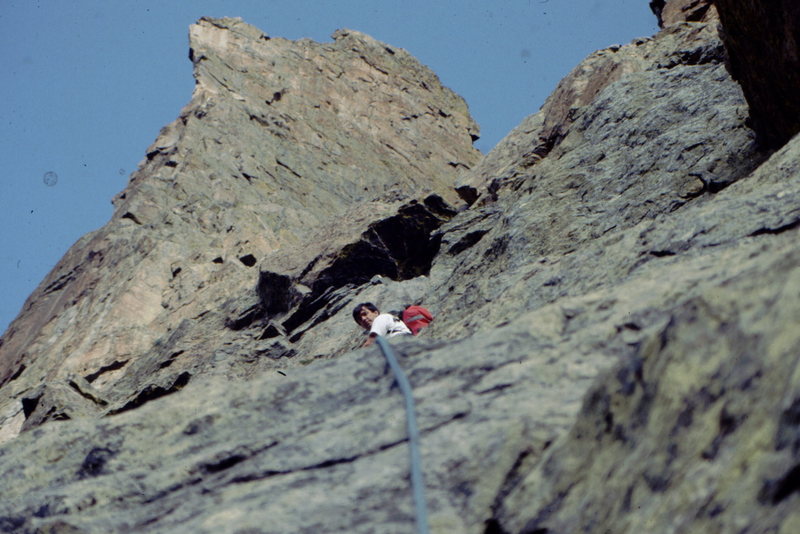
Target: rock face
(764, 43)
(285, 154)
(615, 343)
(676, 11)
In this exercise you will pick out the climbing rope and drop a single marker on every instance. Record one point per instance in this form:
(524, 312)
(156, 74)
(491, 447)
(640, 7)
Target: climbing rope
(417, 483)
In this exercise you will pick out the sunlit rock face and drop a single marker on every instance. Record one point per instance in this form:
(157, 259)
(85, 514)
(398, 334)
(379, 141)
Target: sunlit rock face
(677, 11)
(285, 154)
(616, 298)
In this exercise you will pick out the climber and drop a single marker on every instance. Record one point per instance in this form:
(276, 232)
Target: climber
(368, 316)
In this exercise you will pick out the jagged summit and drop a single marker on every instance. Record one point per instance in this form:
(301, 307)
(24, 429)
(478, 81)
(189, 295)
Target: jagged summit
(615, 343)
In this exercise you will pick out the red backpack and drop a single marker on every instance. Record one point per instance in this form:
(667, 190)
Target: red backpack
(416, 318)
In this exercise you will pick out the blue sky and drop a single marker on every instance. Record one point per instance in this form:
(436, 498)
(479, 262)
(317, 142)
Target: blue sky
(89, 83)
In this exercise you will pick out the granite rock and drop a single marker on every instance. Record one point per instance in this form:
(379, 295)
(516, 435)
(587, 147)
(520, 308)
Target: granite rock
(675, 11)
(681, 44)
(286, 152)
(614, 345)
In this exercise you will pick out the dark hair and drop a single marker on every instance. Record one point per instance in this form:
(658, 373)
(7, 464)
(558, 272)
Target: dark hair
(357, 310)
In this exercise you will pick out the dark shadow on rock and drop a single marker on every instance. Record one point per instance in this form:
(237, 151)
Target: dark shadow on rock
(153, 392)
(400, 247)
(764, 57)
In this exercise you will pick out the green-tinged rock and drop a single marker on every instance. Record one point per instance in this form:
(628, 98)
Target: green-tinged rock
(615, 342)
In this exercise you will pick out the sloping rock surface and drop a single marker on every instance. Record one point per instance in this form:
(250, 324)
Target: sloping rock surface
(285, 154)
(614, 348)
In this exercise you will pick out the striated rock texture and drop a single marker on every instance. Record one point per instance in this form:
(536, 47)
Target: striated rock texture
(676, 11)
(615, 343)
(285, 154)
(764, 43)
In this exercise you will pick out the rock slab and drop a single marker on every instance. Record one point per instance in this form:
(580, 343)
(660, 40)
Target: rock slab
(614, 348)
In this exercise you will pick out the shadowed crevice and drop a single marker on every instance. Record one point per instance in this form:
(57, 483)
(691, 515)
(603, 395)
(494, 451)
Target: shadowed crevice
(91, 377)
(400, 247)
(153, 392)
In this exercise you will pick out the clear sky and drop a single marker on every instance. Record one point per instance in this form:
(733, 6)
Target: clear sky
(88, 84)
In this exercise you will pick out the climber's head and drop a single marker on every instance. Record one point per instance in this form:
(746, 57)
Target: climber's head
(365, 313)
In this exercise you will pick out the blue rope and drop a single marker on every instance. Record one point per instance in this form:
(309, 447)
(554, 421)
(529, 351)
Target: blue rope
(417, 483)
